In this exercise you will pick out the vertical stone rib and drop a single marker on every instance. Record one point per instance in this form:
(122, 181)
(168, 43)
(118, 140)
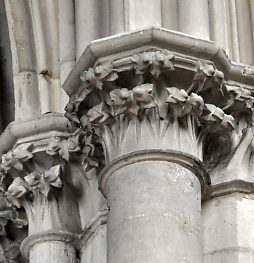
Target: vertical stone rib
(44, 16)
(66, 42)
(143, 13)
(87, 23)
(132, 14)
(24, 62)
(219, 21)
(169, 14)
(244, 31)
(194, 18)
(116, 16)
(233, 30)
(252, 20)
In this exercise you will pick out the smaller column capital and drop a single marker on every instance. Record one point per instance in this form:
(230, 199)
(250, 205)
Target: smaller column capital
(36, 171)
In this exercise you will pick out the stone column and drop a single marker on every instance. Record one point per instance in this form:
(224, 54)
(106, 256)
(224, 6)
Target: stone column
(154, 199)
(37, 179)
(50, 247)
(152, 113)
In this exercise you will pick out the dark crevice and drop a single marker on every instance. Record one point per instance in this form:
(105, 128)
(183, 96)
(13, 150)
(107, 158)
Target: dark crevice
(6, 74)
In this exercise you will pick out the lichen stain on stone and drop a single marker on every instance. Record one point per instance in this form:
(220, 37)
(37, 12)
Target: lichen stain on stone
(181, 179)
(184, 223)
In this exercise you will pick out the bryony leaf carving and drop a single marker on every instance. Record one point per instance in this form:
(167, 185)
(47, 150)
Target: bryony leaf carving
(98, 113)
(96, 77)
(143, 95)
(63, 147)
(206, 77)
(154, 62)
(16, 191)
(16, 157)
(215, 115)
(36, 181)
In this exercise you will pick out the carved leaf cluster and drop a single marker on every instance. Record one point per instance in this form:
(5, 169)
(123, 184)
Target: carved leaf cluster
(16, 157)
(63, 147)
(8, 212)
(102, 76)
(41, 182)
(105, 94)
(207, 77)
(154, 62)
(78, 148)
(123, 101)
(239, 97)
(136, 101)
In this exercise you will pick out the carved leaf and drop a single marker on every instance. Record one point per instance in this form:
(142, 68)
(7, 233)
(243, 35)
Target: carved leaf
(175, 95)
(217, 115)
(91, 79)
(68, 147)
(54, 146)
(155, 62)
(143, 94)
(194, 104)
(97, 114)
(207, 77)
(16, 191)
(33, 180)
(119, 98)
(52, 176)
(161, 61)
(16, 157)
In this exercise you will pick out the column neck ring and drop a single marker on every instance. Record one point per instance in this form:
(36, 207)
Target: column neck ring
(186, 160)
(60, 236)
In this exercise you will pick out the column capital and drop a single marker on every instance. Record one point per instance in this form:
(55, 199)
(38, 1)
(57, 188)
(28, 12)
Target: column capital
(37, 164)
(159, 89)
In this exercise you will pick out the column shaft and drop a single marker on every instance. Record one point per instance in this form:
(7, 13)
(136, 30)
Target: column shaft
(52, 252)
(155, 214)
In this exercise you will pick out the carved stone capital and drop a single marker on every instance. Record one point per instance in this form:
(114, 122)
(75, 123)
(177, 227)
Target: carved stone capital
(36, 173)
(147, 97)
(158, 89)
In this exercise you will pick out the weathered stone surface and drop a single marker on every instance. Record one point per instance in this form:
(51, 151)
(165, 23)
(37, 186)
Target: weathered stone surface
(162, 120)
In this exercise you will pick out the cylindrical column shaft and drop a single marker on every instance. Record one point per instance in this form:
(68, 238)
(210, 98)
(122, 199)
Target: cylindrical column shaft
(154, 214)
(52, 252)
(50, 247)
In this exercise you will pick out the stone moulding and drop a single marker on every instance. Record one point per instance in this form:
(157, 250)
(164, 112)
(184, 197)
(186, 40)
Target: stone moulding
(239, 186)
(166, 39)
(21, 131)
